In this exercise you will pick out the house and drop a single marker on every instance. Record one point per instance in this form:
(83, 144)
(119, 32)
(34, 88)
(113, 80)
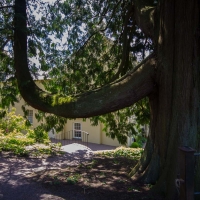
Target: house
(72, 129)
(77, 128)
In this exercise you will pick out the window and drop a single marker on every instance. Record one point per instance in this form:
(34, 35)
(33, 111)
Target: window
(77, 130)
(30, 116)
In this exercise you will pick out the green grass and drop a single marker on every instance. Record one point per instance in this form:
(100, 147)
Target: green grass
(130, 153)
(73, 179)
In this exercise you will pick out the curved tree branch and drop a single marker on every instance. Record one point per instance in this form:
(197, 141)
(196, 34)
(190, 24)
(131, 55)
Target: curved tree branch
(114, 96)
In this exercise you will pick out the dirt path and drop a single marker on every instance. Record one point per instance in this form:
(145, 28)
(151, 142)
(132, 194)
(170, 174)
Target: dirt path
(14, 173)
(54, 178)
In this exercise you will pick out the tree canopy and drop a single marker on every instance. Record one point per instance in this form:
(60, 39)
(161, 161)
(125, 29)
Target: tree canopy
(72, 64)
(78, 46)
(102, 56)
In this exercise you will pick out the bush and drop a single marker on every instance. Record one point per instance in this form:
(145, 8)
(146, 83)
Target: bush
(14, 142)
(135, 145)
(130, 153)
(140, 141)
(12, 122)
(39, 135)
(14, 139)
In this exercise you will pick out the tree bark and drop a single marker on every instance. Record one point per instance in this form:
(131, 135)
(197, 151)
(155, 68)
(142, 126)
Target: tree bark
(175, 110)
(170, 79)
(144, 12)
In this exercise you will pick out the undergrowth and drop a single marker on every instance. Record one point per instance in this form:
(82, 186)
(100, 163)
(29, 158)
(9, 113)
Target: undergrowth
(19, 144)
(122, 152)
(18, 136)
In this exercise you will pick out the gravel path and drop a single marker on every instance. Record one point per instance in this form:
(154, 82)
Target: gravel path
(14, 173)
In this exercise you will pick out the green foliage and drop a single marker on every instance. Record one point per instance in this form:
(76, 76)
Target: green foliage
(140, 139)
(73, 179)
(131, 153)
(10, 122)
(125, 122)
(77, 46)
(11, 136)
(47, 149)
(49, 121)
(16, 135)
(39, 135)
(22, 145)
(15, 142)
(61, 100)
(135, 145)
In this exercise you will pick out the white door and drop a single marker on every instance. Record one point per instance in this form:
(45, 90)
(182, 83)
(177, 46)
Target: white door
(77, 130)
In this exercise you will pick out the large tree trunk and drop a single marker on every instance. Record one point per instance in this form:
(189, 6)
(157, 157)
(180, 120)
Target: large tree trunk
(174, 104)
(175, 110)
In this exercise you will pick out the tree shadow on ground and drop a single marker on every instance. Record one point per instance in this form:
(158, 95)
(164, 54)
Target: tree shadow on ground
(78, 176)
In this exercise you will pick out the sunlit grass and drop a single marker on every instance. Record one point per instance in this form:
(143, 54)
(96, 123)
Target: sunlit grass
(132, 153)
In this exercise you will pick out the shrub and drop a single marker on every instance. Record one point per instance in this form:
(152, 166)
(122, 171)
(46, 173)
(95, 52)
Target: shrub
(135, 145)
(12, 122)
(140, 140)
(14, 142)
(122, 152)
(39, 135)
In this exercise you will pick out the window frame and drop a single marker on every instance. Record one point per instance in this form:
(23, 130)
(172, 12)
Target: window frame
(77, 131)
(30, 116)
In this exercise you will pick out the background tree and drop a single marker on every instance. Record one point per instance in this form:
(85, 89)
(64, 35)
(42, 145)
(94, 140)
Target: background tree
(49, 54)
(169, 76)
